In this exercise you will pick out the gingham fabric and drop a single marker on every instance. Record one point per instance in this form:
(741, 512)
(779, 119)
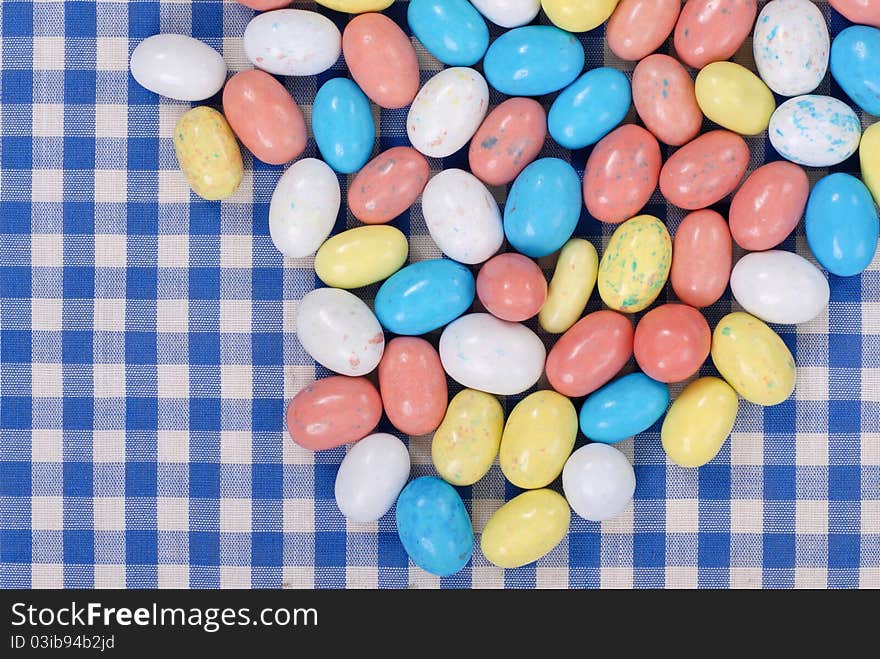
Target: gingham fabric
(149, 348)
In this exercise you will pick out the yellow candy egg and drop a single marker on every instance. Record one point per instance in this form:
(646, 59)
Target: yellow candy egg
(362, 256)
(538, 439)
(466, 443)
(635, 265)
(699, 421)
(869, 158)
(525, 528)
(753, 359)
(578, 15)
(571, 286)
(356, 6)
(734, 97)
(208, 153)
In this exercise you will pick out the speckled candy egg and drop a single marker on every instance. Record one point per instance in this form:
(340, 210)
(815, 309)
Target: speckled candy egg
(292, 42)
(712, 30)
(388, 185)
(178, 66)
(663, 94)
(639, 27)
(466, 443)
(855, 65)
(791, 46)
(511, 287)
(509, 138)
(208, 153)
(413, 385)
(816, 131)
(370, 477)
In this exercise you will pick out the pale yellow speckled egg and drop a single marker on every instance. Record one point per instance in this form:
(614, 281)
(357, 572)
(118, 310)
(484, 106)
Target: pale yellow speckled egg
(208, 153)
(466, 443)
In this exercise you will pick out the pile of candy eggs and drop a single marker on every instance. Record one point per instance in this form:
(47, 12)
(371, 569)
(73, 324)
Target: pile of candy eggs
(492, 353)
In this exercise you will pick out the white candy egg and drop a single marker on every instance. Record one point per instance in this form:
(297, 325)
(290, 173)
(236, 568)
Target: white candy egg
(508, 13)
(292, 42)
(816, 131)
(178, 66)
(598, 482)
(371, 476)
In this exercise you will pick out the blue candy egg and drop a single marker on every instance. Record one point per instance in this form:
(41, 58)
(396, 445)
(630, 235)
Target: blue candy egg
(343, 125)
(842, 224)
(434, 526)
(855, 65)
(424, 296)
(533, 60)
(543, 207)
(590, 108)
(623, 408)
(451, 30)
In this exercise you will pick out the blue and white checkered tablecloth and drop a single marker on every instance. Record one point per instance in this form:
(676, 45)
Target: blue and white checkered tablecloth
(148, 349)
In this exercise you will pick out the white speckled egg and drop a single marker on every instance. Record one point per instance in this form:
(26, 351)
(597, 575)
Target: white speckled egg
(447, 111)
(304, 207)
(481, 352)
(791, 46)
(339, 331)
(816, 131)
(371, 476)
(178, 66)
(462, 216)
(508, 13)
(292, 42)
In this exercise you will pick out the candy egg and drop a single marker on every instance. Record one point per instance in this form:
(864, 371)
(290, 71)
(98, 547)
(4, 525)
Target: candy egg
(635, 265)
(264, 117)
(447, 111)
(859, 11)
(424, 296)
(671, 342)
(816, 131)
(699, 421)
(702, 254)
(712, 30)
(590, 353)
(753, 359)
(623, 408)
(342, 122)
(841, 224)
(339, 331)
(768, 205)
(265, 5)
(537, 440)
(598, 481)
(388, 185)
(484, 353)
(663, 94)
(855, 65)
(704, 171)
(511, 287)
(508, 13)
(304, 206)
(869, 159)
(571, 286)
(509, 138)
(577, 15)
(361, 256)
(621, 174)
(639, 27)
(462, 216)
(588, 109)
(451, 30)
(734, 98)
(791, 46)
(779, 287)
(370, 477)
(434, 526)
(466, 443)
(207, 153)
(543, 207)
(413, 385)
(533, 60)
(355, 6)
(292, 42)
(381, 59)
(526, 528)
(178, 66)
(333, 411)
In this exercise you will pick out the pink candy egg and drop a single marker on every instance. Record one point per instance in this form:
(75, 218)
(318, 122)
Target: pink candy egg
(671, 342)
(511, 287)
(509, 138)
(413, 385)
(702, 255)
(265, 5)
(865, 12)
(639, 27)
(388, 185)
(621, 174)
(663, 94)
(712, 30)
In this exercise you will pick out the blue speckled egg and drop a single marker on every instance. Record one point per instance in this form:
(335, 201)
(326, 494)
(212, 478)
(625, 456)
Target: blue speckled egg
(590, 108)
(623, 408)
(451, 30)
(543, 207)
(533, 60)
(855, 65)
(343, 125)
(434, 526)
(816, 131)
(842, 224)
(424, 296)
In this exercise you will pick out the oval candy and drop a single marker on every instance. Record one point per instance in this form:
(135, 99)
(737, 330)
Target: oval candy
(855, 65)
(208, 154)
(265, 5)
(388, 185)
(342, 122)
(577, 15)
(466, 443)
(511, 287)
(292, 42)
(699, 421)
(571, 286)
(598, 481)
(671, 342)
(816, 131)
(712, 30)
(451, 30)
(639, 27)
(664, 97)
(866, 12)
(370, 477)
(702, 254)
(623, 408)
(589, 108)
(355, 6)
(361, 256)
(734, 98)
(413, 385)
(508, 13)
(509, 138)
(869, 159)
(178, 66)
